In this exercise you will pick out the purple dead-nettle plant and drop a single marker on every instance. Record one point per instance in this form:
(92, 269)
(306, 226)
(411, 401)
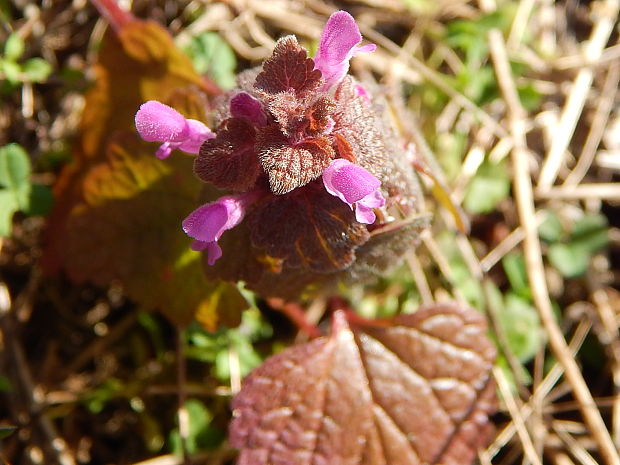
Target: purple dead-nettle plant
(312, 183)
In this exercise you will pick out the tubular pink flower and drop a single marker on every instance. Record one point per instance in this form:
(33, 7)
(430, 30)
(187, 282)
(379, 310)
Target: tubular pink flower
(339, 43)
(354, 186)
(207, 223)
(157, 122)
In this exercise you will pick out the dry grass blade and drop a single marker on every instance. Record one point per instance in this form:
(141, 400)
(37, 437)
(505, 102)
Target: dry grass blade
(533, 253)
(606, 19)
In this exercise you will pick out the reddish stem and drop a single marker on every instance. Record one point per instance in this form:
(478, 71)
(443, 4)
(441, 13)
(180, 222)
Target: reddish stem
(339, 304)
(113, 14)
(296, 314)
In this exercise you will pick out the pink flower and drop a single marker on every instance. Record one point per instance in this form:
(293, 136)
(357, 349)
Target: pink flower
(354, 186)
(207, 223)
(339, 43)
(157, 122)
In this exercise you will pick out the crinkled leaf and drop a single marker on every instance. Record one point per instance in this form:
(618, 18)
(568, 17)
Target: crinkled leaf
(319, 114)
(229, 160)
(292, 166)
(118, 209)
(308, 228)
(416, 391)
(289, 68)
(386, 247)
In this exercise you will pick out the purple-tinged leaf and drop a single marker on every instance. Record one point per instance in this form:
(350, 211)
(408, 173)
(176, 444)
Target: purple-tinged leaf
(289, 68)
(308, 228)
(229, 160)
(414, 390)
(290, 166)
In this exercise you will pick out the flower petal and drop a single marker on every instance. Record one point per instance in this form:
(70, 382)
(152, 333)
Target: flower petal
(337, 46)
(163, 151)
(157, 122)
(214, 252)
(373, 200)
(350, 183)
(197, 134)
(206, 223)
(364, 214)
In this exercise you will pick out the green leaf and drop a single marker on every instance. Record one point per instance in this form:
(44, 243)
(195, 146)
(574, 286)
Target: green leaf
(8, 206)
(12, 71)
(37, 69)
(570, 260)
(14, 47)
(14, 184)
(5, 384)
(40, 201)
(199, 419)
(590, 233)
(490, 185)
(211, 55)
(521, 325)
(550, 230)
(14, 167)
(7, 430)
(514, 267)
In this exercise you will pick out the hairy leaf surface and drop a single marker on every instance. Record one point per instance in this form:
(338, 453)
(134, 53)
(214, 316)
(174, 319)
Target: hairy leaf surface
(229, 160)
(417, 390)
(308, 228)
(292, 166)
(288, 68)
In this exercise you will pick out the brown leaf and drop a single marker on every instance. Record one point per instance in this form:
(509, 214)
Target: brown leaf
(416, 391)
(288, 68)
(291, 166)
(308, 228)
(319, 115)
(229, 161)
(118, 209)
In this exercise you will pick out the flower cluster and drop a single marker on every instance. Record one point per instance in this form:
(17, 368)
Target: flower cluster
(306, 162)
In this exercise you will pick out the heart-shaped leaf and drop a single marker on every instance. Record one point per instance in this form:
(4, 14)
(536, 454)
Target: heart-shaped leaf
(229, 160)
(417, 390)
(289, 68)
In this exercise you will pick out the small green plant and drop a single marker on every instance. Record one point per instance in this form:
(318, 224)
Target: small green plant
(17, 193)
(14, 71)
(572, 252)
(211, 55)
